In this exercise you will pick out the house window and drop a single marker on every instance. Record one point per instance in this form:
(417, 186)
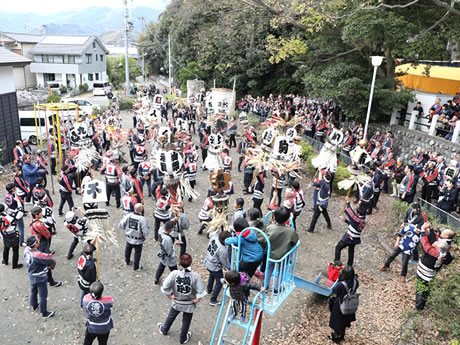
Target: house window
(94, 45)
(45, 58)
(101, 57)
(69, 59)
(38, 58)
(96, 57)
(90, 76)
(49, 77)
(96, 76)
(89, 58)
(58, 59)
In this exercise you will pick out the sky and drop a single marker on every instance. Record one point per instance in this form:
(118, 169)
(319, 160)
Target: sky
(54, 6)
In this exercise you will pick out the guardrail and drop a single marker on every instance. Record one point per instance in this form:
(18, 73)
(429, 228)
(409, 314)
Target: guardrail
(440, 215)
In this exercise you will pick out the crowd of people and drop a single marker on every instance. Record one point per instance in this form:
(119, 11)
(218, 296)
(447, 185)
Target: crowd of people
(171, 225)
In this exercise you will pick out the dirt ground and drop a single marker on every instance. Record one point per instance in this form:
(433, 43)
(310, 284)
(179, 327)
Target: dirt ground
(139, 305)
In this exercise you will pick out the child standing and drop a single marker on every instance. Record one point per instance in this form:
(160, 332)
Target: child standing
(240, 288)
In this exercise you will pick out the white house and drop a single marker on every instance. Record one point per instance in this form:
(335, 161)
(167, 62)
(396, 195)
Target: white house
(9, 118)
(69, 60)
(21, 44)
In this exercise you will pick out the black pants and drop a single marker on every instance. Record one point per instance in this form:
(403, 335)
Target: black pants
(375, 199)
(294, 218)
(29, 195)
(183, 246)
(53, 165)
(203, 225)
(338, 335)
(73, 180)
(101, 338)
(409, 198)
(279, 192)
(367, 206)
(214, 284)
(257, 203)
(45, 244)
(149, 185)
(72, 247)
(204, 153)
(232, 140)
(247, 181)
(65, 197)
(422, 293)
(186, 321)
(249, 267)
(190, 125)
(316, 214)
(405, 260)
(6, 254)
(161, 269)
(240, 161)
(113, 188)
(240, 306)
(428, 192)
(158, 222)
(39, 295)
(137, 254)
(351, 251)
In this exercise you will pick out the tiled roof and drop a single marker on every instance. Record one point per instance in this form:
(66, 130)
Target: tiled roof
(8, 58)
(23, 38)
(48, 47)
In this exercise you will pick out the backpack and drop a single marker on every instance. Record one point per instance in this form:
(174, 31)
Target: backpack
(350, 302)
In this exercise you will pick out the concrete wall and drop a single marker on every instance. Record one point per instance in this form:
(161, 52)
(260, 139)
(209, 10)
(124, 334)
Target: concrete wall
(406, 141)
(7, 80)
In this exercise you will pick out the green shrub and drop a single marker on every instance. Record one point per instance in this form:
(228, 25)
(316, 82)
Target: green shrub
(307, 150)
(253, 120)
(54, 97)
(102, 108)
(444, 300)
(63, 89)
(340, 175)
(95, 110)
(127, 103)
(169, 97)
(83, 87)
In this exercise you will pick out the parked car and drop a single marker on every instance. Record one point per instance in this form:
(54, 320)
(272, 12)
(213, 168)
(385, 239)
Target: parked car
(54, 86)
(30, 125)
(84, 107)
(101, 88)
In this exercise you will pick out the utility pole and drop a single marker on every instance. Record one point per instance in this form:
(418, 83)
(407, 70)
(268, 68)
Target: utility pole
(126, 46)
(170, 65)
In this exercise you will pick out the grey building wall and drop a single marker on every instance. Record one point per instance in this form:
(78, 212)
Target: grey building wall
(96, 66)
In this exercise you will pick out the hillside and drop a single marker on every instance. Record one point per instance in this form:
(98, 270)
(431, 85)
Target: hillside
(92, 20)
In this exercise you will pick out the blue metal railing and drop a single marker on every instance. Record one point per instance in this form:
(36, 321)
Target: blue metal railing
(255, 304)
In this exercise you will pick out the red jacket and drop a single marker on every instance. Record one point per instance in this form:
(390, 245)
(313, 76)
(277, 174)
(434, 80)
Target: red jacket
(38, 228)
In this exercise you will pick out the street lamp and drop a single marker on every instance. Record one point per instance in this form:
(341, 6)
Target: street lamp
(376, 62)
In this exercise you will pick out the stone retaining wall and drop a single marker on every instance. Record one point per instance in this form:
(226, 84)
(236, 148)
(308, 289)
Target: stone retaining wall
(407, 141)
